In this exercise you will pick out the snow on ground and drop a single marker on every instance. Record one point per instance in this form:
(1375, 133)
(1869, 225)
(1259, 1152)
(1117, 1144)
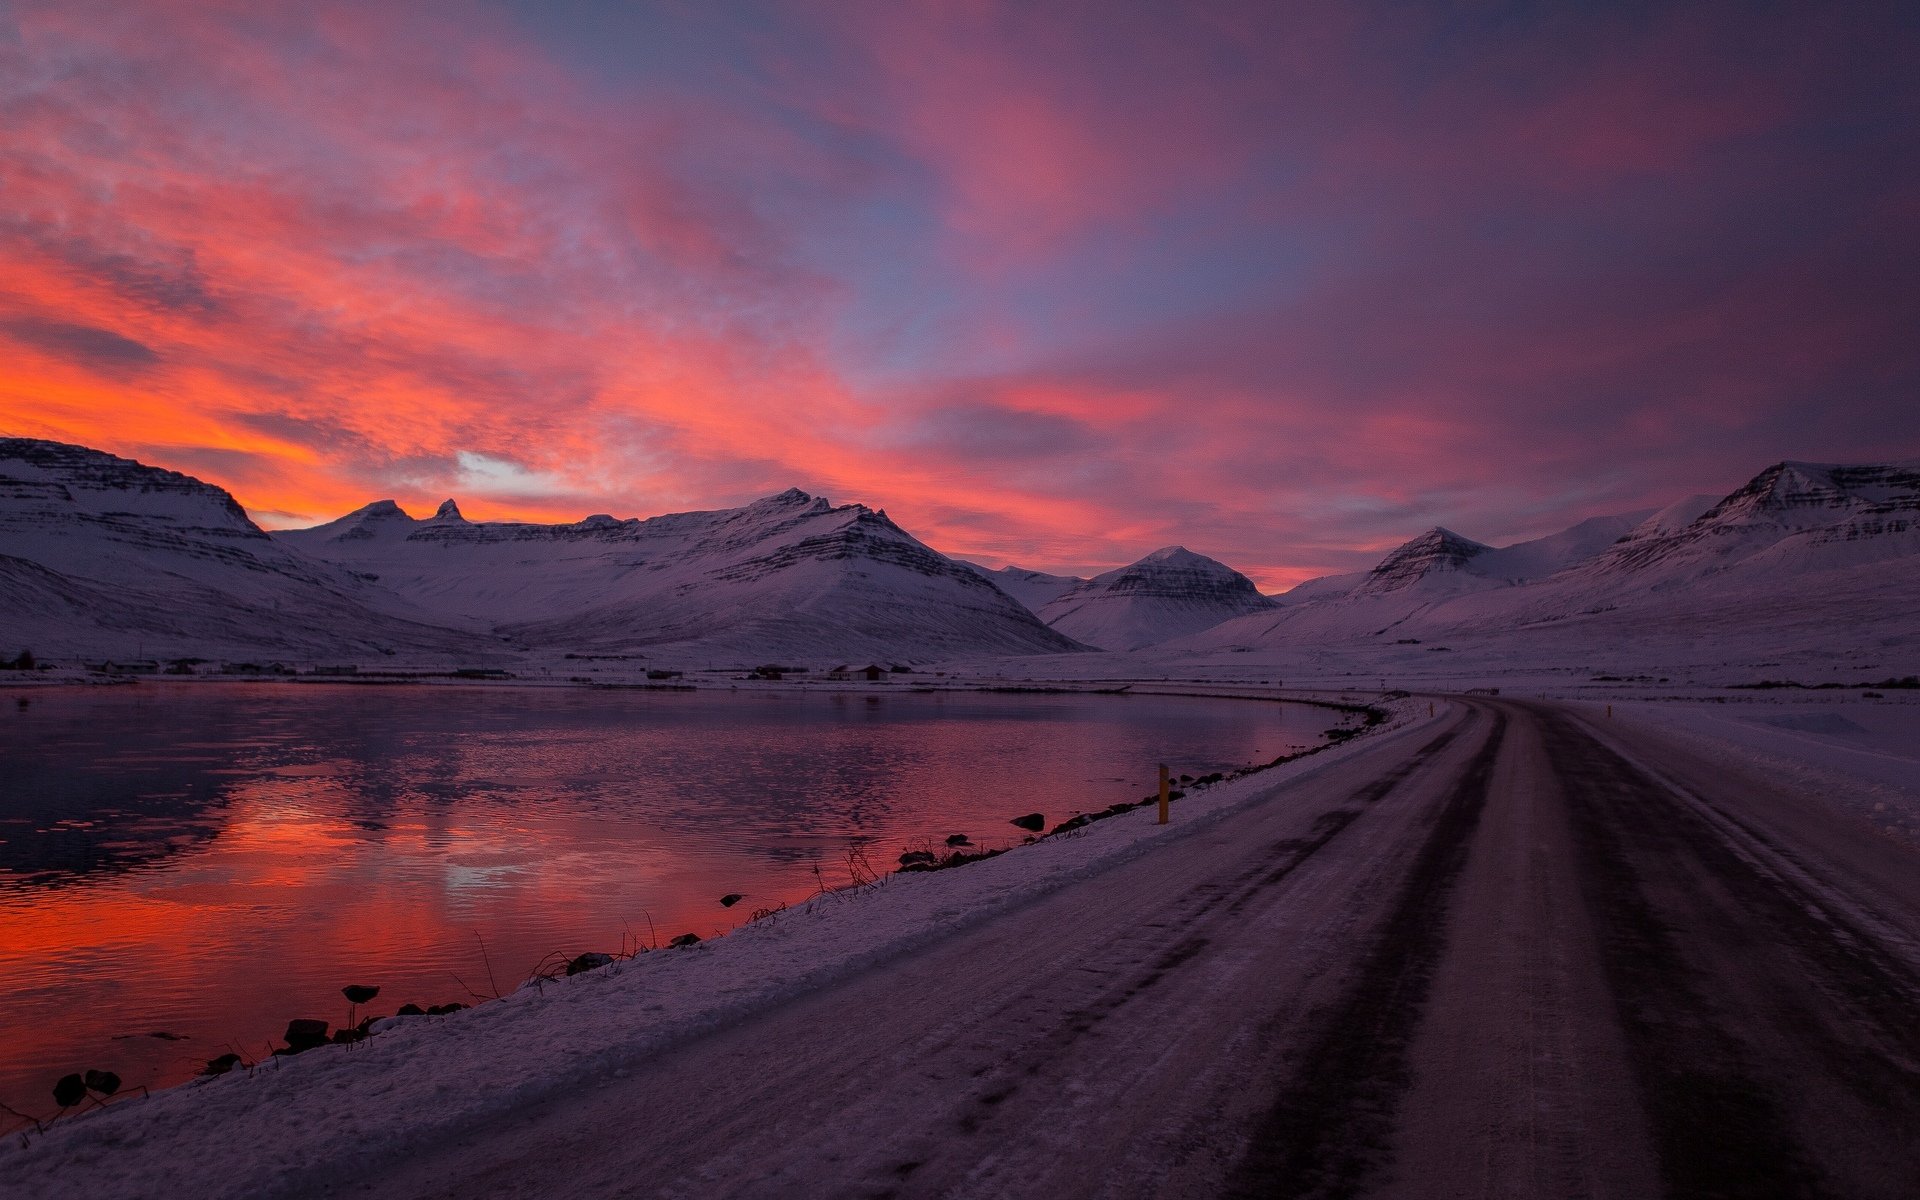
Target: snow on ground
(299, 1116)
(1863, 754)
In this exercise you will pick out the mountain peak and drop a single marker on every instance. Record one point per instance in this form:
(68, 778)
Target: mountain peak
(448, 511)
(1169, 593)
(1439, 549)
(379, 509)
(1174, 554)
(1442, 536)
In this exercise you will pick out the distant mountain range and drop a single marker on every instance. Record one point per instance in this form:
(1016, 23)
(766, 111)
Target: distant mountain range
(104, 557)
(101, 556)
(787, 577)
(1801, 554)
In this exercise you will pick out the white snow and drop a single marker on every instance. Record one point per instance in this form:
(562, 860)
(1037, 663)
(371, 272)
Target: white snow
(103, 557)
(1034, 589)
(1170, 592)
(788, 576)
(1861, 753)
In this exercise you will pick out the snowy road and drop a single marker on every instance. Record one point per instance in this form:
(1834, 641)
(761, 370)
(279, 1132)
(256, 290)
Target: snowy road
(1522, 952)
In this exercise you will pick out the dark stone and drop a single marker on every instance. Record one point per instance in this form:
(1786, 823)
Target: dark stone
(441, 1010)
(1032, 822)
(685, 939)
(221, 1065)
(959, 839)
(916, 858)
(593, 960)
(70, 1091)
(359, 993)
(411, 1010)
(342, 1037)
(104, 1082)
(731, 899)
(304, 1033)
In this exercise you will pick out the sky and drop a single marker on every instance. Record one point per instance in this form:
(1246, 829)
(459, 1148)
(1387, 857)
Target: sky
(1052, 284)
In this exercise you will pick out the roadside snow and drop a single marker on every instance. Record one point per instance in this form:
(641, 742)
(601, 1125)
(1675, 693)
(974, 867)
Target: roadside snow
(308, 1119)
(1863, 754)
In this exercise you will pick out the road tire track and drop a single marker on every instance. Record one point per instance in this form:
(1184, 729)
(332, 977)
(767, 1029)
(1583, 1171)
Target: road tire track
(1721, 1060)
(1331, 1126)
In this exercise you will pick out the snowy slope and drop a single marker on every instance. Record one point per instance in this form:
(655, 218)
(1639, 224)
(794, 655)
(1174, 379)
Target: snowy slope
(1035, 589)
(1169, 593)
(1441, 561)
(1541, 557)
(1791, 518)
(787, 577)
(104, 556)
(1818, 554)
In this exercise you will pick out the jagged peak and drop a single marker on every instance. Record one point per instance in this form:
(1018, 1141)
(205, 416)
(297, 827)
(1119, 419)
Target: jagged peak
(448, 511)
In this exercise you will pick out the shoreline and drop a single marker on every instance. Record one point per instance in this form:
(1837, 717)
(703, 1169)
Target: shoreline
(262, 1020)
(543, 1038)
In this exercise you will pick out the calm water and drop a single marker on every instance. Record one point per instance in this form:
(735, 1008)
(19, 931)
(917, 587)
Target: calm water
(209, 861)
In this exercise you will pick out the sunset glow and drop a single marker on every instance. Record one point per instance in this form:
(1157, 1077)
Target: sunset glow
(1054, 285)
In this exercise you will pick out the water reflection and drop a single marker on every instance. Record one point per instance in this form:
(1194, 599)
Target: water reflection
(209, 861)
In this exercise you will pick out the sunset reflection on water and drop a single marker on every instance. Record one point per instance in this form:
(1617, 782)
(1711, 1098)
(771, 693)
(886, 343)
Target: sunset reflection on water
(209, 861)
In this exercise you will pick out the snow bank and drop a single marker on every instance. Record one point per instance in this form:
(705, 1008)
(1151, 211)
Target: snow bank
(1863, 754)
(308, 1120)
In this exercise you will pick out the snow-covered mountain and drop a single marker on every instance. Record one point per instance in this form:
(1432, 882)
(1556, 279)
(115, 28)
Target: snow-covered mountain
(1796, 541)
(1791, 518)
(1441, 562)
(788, 576)
(1035, 589)
(1169, 593)
(104, 556)
(1437, 559)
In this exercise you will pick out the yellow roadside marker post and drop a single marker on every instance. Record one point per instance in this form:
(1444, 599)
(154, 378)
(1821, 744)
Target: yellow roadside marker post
(1163, 793)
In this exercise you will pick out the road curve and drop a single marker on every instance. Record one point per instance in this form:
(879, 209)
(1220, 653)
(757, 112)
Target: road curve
(1523, 953)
